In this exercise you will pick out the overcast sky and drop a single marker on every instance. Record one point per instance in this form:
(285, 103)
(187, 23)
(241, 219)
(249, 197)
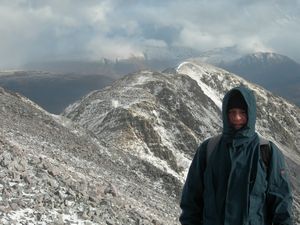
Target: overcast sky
(37, 30)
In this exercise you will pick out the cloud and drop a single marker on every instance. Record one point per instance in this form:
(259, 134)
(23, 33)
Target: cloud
(112, 48)
(33, 30)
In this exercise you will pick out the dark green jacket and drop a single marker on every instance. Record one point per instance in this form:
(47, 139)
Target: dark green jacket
(234, 187)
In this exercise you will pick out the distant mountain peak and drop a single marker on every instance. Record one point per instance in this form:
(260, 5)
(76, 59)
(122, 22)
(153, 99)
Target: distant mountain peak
(264, 58)
(278, 73)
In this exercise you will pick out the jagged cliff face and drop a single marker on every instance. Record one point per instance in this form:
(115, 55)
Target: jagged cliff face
(162, 117)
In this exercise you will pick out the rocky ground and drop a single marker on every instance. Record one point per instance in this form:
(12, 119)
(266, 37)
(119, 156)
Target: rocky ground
(55, 174)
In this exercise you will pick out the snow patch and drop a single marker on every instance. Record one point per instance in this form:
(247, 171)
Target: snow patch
(115, 103)
(196, 72)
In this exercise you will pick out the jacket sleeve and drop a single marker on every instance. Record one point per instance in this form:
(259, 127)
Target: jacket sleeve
(191, 198)
(279, 196)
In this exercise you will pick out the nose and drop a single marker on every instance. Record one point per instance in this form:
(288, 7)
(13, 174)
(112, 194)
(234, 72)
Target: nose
(237, 116)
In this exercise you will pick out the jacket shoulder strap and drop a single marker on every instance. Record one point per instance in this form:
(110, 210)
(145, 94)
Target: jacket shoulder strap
(211, 145)
(265, 151)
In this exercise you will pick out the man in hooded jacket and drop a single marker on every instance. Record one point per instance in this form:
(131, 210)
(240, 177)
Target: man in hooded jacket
(233, 186)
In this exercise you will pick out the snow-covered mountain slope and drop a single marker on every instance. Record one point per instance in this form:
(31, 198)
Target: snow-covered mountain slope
(54, 172)
(162, 117)
(157, 117)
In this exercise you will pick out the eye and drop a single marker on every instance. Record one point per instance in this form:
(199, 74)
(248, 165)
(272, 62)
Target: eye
(240, 112)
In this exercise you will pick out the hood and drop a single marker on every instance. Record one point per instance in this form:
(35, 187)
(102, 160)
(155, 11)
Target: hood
(249, 129)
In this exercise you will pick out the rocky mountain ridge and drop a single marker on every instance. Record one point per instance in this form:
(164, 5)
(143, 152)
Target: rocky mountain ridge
(162, 117)
(122, 153)
(53, 172)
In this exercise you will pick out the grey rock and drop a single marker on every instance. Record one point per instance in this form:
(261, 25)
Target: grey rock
(111, 189)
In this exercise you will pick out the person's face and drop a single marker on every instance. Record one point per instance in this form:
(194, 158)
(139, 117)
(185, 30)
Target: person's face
(237, 118)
